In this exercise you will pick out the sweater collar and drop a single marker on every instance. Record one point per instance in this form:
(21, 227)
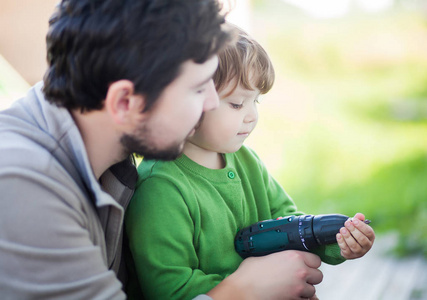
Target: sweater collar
(214, 175)
(58, 122)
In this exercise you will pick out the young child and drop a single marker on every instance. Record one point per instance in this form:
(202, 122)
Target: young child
(183, 218)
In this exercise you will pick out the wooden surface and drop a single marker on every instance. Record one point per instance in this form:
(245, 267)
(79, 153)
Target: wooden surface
(376, 276)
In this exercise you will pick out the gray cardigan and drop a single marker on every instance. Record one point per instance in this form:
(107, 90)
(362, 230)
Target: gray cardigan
(60, 229)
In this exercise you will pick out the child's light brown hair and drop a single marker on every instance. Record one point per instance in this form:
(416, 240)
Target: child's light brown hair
(245, 63)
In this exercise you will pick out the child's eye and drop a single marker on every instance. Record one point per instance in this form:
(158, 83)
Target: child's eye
(201, 91)
(236, 106)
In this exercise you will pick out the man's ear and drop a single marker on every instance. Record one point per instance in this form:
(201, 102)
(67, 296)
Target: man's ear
(121, 102)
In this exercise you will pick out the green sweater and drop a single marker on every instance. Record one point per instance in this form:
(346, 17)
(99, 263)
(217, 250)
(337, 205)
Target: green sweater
(183, 218)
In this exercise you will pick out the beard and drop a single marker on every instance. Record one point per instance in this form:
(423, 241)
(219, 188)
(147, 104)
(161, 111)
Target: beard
(141, 143)
(133, 144)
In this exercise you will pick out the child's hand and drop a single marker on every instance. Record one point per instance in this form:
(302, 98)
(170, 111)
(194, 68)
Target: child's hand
(356, 238)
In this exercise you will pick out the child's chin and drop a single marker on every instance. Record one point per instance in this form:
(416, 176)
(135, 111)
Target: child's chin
(236, 149)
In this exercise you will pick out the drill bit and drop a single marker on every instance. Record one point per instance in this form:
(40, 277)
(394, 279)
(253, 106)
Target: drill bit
(367, 221)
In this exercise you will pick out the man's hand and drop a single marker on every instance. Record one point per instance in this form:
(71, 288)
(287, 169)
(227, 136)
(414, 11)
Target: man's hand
(286, 275)
(356, 238)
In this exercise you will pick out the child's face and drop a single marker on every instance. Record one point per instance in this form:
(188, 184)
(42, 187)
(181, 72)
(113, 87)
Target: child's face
(225, 128)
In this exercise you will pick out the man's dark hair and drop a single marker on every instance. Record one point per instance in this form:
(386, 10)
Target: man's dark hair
(92, 43)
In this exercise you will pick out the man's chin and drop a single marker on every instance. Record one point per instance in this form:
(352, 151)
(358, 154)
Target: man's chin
(166, 155)
(132, 145)
(161, 156)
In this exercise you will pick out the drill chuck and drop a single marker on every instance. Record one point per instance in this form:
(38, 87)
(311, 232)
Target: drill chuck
(305, 232)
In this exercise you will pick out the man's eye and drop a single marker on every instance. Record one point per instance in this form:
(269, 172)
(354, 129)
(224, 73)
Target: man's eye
(236, 106)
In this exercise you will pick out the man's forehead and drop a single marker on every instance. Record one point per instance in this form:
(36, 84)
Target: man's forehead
(198, 71)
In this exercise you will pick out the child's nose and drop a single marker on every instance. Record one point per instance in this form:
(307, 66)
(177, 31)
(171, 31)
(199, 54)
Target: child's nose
(251, 115)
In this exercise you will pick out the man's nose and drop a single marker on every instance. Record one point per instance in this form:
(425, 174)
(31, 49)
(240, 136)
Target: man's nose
(212, 99)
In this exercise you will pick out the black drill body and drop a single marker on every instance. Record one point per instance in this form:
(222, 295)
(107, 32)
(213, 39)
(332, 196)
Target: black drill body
(305, 233)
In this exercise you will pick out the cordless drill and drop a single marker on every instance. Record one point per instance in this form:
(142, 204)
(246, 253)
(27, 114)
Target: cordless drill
(305, 233)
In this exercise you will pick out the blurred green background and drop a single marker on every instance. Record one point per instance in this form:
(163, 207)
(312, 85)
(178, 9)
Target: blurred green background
(344, 129)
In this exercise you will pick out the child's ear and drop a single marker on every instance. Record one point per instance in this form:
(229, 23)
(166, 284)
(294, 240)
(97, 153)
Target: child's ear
(121, 102)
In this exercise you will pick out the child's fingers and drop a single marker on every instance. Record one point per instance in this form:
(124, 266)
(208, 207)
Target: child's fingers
(360, 216)
(355, 238)
(352, 247)
(357, 235)
(365, 230)
(345, 251)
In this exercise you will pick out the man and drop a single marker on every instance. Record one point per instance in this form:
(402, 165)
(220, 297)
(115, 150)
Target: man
(124, 77)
